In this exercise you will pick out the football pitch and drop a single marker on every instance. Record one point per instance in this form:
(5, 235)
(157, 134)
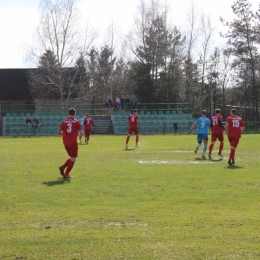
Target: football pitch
(159, 201)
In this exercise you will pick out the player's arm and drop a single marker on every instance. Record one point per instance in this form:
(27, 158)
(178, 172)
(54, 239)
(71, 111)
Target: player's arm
(193, 126)
(226, 127)
(221, 124)
(59, 130)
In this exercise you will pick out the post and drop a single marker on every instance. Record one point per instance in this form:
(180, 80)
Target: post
(211, 96)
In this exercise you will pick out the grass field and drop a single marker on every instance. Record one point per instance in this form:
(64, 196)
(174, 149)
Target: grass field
(160, 201)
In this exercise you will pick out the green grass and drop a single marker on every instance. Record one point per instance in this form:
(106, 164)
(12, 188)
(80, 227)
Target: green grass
(160, 201)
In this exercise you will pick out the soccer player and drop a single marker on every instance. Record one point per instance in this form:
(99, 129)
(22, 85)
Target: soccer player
(234, 127)
(81, 120)
(88, 123)
(69, 129)
(217, 128)
(133, 127)
(203, 124)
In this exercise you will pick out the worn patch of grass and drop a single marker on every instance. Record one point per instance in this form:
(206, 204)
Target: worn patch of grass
(160, 201)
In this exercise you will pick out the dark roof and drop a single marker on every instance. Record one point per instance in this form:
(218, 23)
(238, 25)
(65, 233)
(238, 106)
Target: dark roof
(14, 84)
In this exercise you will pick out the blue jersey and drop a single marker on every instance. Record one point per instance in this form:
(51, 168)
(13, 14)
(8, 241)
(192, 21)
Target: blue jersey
(81, 120)
(203, 124)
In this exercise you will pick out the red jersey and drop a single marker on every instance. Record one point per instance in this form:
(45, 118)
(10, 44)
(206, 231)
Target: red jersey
(70, 128)
(234, 127)
(215, 123)
(88, 122)
(133, 120)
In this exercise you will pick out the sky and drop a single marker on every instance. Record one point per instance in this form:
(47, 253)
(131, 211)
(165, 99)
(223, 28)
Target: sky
(20, 18)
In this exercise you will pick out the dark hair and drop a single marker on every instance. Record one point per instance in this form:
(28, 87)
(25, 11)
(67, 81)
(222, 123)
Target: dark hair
(135, 111)
(217, 111)
(204, 112)
(87, 114)
(72, 111)
(234, 111)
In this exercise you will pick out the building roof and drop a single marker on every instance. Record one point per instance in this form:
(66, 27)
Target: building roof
(14, 84)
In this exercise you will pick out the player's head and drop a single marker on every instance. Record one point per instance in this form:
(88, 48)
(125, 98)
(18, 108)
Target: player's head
(135, 111)
(81, 115)
(87, 114)
(72, 111)
(233, 111)
(217, 111)
(204, 112)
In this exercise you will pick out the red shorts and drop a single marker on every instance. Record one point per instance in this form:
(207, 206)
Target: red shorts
(72, 150)
(131, 130)
(233, 141)
(88, 132)
(217, 136)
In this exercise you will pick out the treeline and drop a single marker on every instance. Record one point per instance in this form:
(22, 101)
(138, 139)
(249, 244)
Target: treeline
(156, 61)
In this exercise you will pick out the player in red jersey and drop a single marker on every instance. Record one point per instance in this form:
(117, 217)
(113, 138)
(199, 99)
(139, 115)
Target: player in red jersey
(133, 127)
(69, 129)
(88, 123)
(217, 128)
(234, 127)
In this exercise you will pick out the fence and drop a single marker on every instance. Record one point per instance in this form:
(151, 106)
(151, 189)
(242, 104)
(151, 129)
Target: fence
(93, 109)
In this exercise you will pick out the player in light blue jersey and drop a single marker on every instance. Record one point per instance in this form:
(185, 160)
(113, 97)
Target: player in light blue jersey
(203, 124)
(81, 120)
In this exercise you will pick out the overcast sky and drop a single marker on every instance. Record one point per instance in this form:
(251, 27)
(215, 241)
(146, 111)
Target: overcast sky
(19, 19)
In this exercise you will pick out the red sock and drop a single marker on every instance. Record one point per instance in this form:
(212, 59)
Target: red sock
(66, 163)
(211, 147)
(70, 166)
(136, 139)
(232, 153)
(221, 147)
(127, 139)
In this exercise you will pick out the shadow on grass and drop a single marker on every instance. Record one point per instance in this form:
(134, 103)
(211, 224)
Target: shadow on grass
(212, 160)
(57, 182)
(233, 167)
(128, 150)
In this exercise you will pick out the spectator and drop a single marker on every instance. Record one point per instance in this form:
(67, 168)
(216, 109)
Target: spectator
(36, 122)
(127, 102)
(117, 103)
(109, 101)
(122, 102)
(134, 102)
(28, 122)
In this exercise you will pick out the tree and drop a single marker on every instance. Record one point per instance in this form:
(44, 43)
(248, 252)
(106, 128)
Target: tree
(58, 33)
(242, 38)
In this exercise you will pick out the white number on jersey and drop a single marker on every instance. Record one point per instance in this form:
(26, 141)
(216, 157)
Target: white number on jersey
(69, 129)
(215, 121)
(235, 122)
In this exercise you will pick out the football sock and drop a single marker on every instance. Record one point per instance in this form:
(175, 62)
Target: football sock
(70, 166)
(204, 148)
(221, 147)
(210, 148)
(127, 139)
(232, 153)
(136, 139)
(199, 145)
(87, 137)
(66, 163)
